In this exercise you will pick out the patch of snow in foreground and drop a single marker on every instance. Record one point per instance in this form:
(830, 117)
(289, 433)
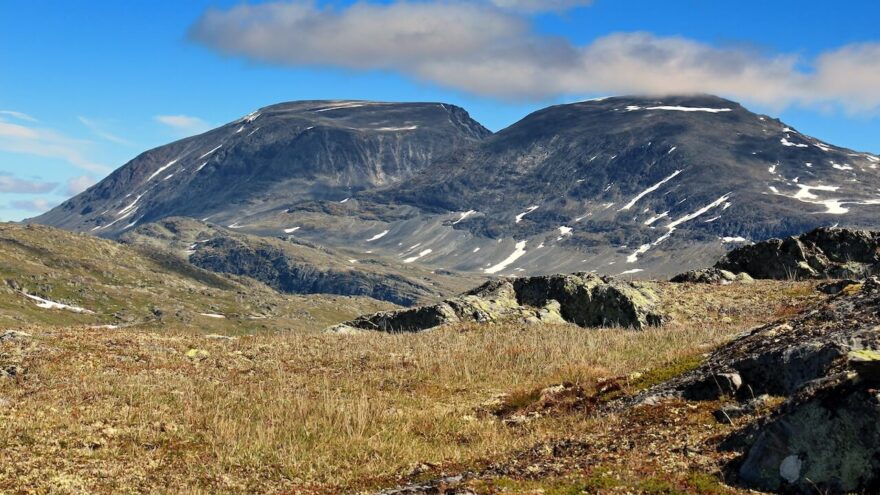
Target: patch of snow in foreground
(518, 253)
(212, 315)
(634, 270)
(161, 169)
(649, 191)
(786, 142)
(290, 230)
(655, 218)
(733, 239)
(421, 254)
(131, 205)
(378, 236)
(528, 210)
(394, 129)
(633, 108)
(671, 226)
(463, 216)
(213, 150)
(565, 230)
(47, 304)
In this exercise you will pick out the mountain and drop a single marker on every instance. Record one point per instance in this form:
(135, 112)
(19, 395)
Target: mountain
(292, 265)
(276, 156)
(53, 277)
(620, 185)
(626, 185)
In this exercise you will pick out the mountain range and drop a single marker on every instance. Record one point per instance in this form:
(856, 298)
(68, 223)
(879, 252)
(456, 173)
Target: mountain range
(635, 186)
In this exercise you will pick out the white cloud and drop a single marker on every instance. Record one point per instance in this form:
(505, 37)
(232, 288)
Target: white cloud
(184, 125)
(46, 143)
(10, 184)
(532, 6)
(18, 115)
(98, 128)
(76, 185)
(482, 49)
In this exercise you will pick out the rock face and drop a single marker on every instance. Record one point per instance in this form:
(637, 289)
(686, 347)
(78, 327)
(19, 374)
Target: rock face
(821, 253)
(274, 157)
(583, 299)
(826, 435)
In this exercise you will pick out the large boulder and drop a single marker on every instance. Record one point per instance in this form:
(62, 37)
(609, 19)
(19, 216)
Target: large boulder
(584, 299)
(825, 438)
(821, 253)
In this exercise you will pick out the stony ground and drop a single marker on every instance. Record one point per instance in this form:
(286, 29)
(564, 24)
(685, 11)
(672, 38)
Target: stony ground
(500, 408)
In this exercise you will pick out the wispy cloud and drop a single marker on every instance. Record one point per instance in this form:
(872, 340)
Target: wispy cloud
(18, 115)
(183, 125)
(76, 185)
(47, 143)
(483, 49)
(10, 184)
(37, 205)
(99, 130)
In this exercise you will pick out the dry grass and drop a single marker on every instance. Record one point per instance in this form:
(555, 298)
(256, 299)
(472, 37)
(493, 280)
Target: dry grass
(121, 411)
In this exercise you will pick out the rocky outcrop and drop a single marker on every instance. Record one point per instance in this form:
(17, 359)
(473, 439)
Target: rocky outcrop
(821, 253)
(711, 276)
(584, 299)
(825, 439)
(826, 435)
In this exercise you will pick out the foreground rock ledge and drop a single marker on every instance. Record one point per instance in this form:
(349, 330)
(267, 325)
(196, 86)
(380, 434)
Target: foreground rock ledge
(584, 299)
(825, 437)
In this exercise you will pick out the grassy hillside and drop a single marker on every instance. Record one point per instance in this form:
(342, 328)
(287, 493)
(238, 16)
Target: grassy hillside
(121, 285)
(128, 411)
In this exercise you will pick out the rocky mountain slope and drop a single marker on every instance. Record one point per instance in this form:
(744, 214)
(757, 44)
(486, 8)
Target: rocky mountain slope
(624, 186)
(292, 265)
(53, 277)
(276, 156)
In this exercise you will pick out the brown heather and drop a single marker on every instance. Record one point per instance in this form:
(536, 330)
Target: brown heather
(126, 411)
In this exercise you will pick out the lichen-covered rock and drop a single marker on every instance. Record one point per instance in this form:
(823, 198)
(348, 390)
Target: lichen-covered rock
(821, 253)
(825, 439)
(710, 276)
(583, 299)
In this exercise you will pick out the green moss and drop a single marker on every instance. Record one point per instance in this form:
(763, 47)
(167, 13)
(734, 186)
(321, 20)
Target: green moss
(547, 486)
(705, 484)
(661, 374)
(657, 486)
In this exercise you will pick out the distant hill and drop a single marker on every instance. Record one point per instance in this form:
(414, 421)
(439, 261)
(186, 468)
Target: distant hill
(50, 276)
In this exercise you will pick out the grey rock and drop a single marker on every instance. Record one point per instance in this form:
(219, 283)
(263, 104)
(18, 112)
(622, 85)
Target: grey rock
(11, 335)
(834, 288)
(729, 412)
(583, 299)
(821, 253)
(825, 439)
(710, 276)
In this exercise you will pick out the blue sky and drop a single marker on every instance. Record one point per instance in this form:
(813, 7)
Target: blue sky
(86, 86)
